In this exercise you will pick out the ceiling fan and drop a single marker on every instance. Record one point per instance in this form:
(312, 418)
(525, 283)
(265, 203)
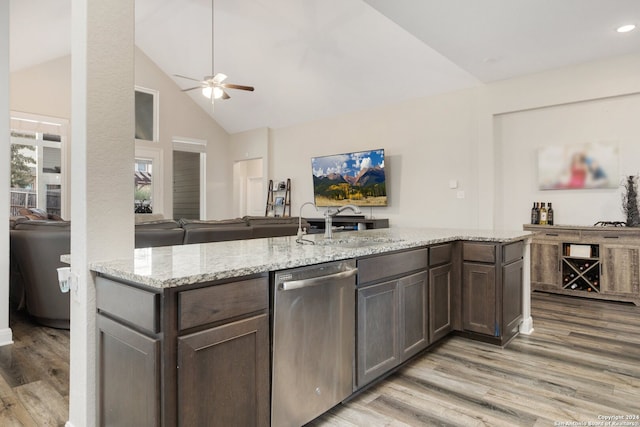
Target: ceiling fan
(212, 86)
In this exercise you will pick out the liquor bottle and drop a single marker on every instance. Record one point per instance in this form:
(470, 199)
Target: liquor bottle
(550, 215)
(537, 213)
(543, 215)
(534, 214)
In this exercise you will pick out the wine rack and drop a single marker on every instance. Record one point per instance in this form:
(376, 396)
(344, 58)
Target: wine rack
(581, 267)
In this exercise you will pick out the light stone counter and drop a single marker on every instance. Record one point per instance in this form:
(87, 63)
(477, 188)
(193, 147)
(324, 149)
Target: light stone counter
(172, 266)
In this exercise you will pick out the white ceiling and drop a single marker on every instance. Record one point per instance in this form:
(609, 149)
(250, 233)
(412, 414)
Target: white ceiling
(310, 59)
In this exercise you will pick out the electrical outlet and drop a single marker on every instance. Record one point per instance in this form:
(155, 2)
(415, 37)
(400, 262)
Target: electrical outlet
(460, 194)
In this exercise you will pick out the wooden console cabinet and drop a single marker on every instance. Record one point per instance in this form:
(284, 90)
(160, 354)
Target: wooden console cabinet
(607, 267)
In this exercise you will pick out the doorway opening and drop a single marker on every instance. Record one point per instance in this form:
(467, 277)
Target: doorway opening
(249, 188)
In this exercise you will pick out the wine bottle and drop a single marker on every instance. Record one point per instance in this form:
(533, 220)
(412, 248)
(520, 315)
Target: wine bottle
(543, 215)
(550, 215)
(574, 286)
(534, 214)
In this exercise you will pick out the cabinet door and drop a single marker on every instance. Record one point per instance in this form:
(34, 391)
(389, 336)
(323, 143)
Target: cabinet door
(479, 298)
(440, 302)
(223, 375)
(414, 332)
(620, 269)
(511, 298)
(545, 262)
(129, 376)
(377, 340)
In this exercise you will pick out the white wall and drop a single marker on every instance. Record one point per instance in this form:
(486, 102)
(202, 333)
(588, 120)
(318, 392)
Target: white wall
(427, 143)
(593, 102)
(520, 135)
(484, 138)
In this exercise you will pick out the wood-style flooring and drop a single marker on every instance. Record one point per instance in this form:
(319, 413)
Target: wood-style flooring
(34, 375)
(581, 363)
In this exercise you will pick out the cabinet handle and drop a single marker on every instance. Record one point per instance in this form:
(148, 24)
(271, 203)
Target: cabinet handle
(551, 234)
(611, 237)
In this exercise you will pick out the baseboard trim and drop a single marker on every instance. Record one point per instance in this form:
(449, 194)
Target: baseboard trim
(6, 337)
(526, 327)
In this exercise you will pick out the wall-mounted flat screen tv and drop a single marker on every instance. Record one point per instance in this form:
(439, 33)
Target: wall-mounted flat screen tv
(352, 178)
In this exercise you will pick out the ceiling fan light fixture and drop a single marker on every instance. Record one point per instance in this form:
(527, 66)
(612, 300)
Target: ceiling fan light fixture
(217, 92)
(207, 91)
(626, 28)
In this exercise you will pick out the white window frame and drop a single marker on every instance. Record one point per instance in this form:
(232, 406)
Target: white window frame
(53, 125)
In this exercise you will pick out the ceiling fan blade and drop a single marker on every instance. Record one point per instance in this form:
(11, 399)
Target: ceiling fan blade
(233, 86)
(225, 95)
(191, 88)
(188, 78)
(219, 78)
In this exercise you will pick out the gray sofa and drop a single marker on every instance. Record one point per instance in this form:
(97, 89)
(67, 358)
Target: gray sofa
(36, 247)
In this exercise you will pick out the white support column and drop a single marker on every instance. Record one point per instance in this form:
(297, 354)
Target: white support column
(6, 336)
(526, 327)
(102, 155)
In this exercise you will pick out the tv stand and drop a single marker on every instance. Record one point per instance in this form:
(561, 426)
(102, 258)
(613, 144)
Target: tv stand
(346, 223)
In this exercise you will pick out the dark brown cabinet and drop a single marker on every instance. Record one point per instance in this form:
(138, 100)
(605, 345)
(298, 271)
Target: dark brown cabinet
(377, 331)
(392, 315)
(441, 290)
(184, 356)
(440, 293)
(479, 293)
(129, 395)
(223, 375)
(414, 314)
(492, 290)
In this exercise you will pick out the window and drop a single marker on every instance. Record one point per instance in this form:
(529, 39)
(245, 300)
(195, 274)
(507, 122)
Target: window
(143, 180)
(37, 164)
(147, 179)
(146, 110)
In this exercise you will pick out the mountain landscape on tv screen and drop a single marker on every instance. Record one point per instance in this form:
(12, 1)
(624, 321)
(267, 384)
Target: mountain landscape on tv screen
(355, 178)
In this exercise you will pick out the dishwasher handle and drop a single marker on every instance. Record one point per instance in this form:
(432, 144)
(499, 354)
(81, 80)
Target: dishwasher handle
(314, 281)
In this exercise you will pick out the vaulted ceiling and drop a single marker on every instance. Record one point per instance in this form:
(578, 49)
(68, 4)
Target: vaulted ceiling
(310, 59)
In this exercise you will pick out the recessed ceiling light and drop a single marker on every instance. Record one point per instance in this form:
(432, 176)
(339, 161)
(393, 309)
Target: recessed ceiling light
(626, 28)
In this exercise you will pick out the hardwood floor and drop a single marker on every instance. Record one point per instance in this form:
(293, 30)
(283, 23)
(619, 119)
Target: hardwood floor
(582, 362)
(34, 375)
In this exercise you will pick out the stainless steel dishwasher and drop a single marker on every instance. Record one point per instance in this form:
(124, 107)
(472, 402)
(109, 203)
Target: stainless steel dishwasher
(313, 341)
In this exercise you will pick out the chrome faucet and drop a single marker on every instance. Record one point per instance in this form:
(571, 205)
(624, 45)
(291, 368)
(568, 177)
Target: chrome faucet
(330, 213)
(302, 232)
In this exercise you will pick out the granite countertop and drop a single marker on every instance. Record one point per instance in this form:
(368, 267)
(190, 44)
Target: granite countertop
(171, 266)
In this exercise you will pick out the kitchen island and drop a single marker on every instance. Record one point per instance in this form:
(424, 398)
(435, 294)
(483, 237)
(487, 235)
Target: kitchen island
(205, 310)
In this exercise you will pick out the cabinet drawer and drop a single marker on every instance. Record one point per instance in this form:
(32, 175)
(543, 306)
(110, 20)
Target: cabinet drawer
(219, 302)
(479, 252)
(380, 267)
(512, 252)
(440, 254)
(128, 303)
